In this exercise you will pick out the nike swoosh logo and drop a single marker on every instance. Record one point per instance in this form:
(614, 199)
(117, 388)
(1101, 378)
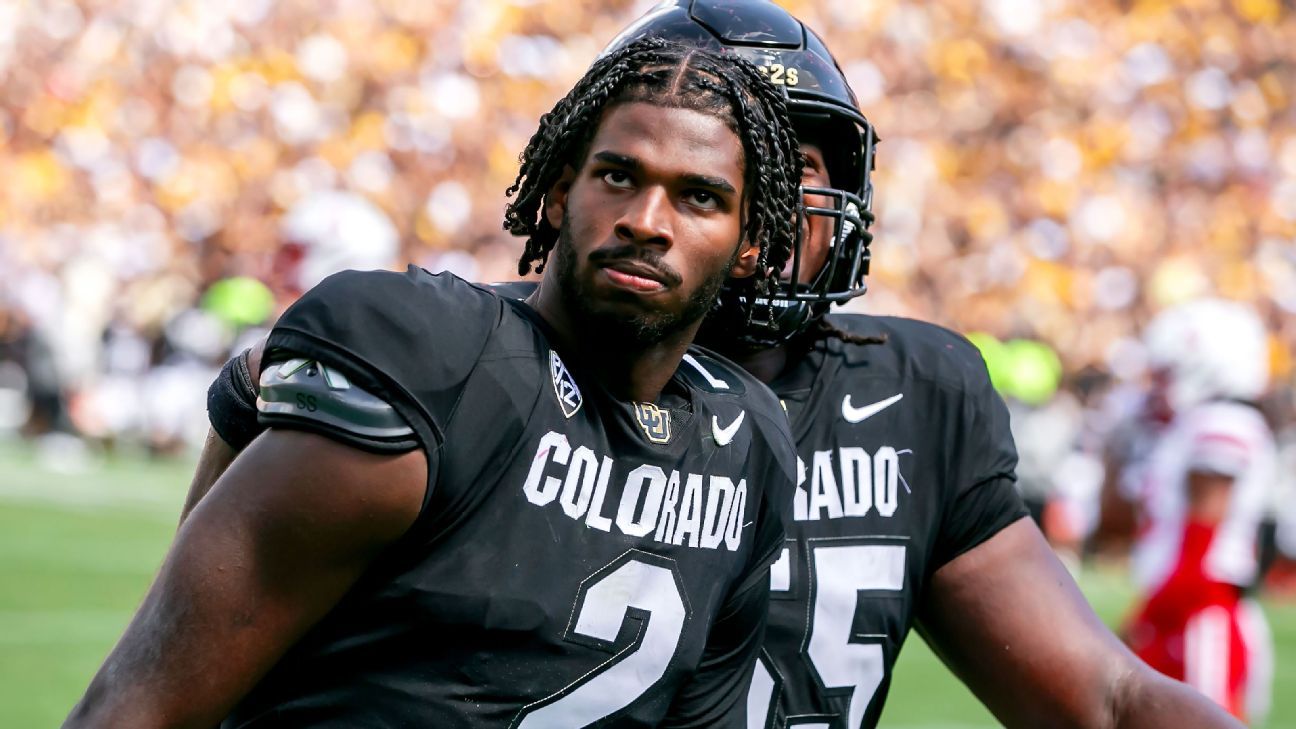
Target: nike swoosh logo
(724, 436)
(856, 415)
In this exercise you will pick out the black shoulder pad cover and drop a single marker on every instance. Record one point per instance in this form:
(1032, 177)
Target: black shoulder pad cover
(305, 394)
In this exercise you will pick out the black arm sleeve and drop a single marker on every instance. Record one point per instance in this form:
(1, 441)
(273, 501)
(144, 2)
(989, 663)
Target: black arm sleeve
(231, 403)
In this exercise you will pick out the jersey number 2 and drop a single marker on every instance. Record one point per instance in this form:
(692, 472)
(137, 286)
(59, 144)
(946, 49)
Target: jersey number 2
(631, 590)
(839, 574)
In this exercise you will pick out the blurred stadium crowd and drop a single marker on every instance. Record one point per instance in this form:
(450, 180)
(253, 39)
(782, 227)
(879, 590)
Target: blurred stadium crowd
(1052, 173)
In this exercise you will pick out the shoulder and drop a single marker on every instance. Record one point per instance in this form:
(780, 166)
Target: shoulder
(376, 315)
(1224, 422)
(715, 376)
(412, 299)
(916, 349)
(410, 339)
(1226, 438)
(723, 384)
(519, 290)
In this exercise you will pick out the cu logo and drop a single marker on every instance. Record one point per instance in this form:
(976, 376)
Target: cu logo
(654, 421)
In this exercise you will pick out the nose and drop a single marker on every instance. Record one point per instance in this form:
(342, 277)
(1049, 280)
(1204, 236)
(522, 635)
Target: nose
(646, 219)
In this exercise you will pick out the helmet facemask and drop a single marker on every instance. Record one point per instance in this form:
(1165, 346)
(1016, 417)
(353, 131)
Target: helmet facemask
(793, 303)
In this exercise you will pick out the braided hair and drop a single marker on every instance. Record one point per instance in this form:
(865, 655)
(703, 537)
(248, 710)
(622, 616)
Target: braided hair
(823, 329)
(677, 76)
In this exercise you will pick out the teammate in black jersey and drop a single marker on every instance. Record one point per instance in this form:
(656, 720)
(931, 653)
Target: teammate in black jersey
(905, 511)
(471, 511)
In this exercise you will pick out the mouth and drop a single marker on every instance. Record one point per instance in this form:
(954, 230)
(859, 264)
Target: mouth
(634, 276)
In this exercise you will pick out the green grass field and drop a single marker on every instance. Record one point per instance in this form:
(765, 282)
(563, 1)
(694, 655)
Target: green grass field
(77, 551)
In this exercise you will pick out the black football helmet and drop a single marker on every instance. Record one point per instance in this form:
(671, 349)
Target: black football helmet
(824, 111)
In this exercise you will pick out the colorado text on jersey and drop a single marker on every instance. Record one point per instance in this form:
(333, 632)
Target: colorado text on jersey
(652, 502)
(860, 484)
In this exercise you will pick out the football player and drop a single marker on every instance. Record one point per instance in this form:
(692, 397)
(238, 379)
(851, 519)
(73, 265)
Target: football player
(1205, 488)
(905, 512)
(470, 511)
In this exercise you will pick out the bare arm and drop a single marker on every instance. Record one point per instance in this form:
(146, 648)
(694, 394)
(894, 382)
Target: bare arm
(1208, 496)
(281, 537)
(213, 461)
(1118, 514)
(217, 455)
(1010, 622)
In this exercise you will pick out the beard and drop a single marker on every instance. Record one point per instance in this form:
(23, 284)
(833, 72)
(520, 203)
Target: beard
(640, 330)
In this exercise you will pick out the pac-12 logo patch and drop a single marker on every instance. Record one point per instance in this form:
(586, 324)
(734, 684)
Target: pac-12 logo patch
(569, 397)
(654, 421)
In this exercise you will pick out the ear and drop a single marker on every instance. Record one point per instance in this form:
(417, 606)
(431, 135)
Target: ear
(745, 263)
(555, 203)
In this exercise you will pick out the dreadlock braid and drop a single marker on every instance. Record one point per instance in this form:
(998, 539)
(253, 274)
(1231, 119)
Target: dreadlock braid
(824, 329)
(778, 213)
(672, 75)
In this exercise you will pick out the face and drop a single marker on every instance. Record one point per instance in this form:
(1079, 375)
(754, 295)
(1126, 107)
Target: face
(650, 225)
(817, 230)
(1160, 400)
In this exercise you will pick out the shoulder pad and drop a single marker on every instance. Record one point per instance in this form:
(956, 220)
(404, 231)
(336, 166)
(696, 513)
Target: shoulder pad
(923, 349)
(412, 338)
(308, 394)
(708, 373)
(862, 324)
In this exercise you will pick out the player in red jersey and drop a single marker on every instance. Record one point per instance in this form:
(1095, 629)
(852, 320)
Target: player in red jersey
(1205, 486)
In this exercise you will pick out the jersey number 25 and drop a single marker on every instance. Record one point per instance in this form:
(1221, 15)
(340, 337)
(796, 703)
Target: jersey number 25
(839, 572)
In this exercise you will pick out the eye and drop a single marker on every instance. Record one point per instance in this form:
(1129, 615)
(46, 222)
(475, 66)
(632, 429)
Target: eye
(619, 179)
(812, 167)
(814, 178)
(703, 199)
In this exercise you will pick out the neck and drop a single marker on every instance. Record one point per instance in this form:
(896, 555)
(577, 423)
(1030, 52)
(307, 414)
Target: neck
(632, 372)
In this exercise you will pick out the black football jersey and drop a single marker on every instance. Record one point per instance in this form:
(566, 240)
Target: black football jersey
(579, 560)
(906, 461)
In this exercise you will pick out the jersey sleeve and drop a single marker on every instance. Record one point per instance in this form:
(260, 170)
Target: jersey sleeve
(407, 340)
(984, 496)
